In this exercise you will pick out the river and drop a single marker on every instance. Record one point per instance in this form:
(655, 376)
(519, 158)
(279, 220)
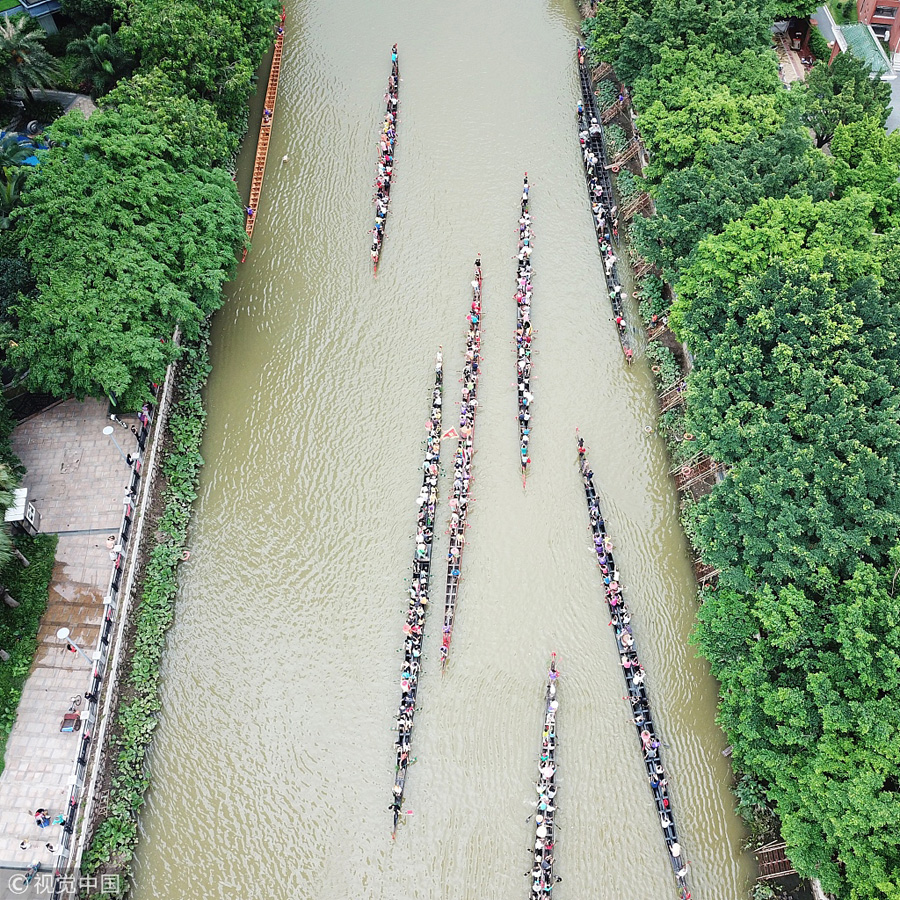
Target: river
(273, 761)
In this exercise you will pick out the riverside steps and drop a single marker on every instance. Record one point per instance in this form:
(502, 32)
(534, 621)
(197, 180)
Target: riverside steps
(602, 198)
(635, 677)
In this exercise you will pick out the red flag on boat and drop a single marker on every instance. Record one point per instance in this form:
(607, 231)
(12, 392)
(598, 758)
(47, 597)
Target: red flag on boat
(452, 433)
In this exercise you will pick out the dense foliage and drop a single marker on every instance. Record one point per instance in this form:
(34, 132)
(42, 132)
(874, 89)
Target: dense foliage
(128, 236)
(116, 837)
(131, 223)
(785, 263)
(219, 45)
(700, 199)
(19, 626)
(841, 93)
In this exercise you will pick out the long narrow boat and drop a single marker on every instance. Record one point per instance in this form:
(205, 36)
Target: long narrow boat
(418, 593)
(462, 462)
(635, 678)
(265, 133)
(523, 330)
(542, 880)
(601, 197)
(386, 143)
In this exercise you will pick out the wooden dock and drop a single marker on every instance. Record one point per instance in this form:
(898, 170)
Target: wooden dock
(265, 133)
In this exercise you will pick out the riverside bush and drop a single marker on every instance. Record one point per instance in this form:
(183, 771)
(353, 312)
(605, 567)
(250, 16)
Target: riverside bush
(653, 301)
(114, 841)
(19, 626)
(627, 185)
(616, 139)
(607, 94)
(663, 359)
(786, 263)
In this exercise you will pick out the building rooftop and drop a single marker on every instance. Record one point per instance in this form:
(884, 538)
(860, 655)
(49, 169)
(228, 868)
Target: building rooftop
(859, 40)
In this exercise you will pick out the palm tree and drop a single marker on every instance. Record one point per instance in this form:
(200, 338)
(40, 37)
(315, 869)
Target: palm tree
(24, 62)
(14, 152)
(11, 183)
(101, 58)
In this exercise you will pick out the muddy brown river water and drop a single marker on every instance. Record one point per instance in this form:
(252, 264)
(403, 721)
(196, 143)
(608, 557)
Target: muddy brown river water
(273, 762)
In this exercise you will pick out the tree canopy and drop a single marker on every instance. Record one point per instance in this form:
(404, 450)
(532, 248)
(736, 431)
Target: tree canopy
(866, 158)
(808, 687)
(842, 93)
(730, 27)
(695, 99)
(25, 63)
(772, 230)
(219, 45)
(799, 396)
(128, 237)
(699, 200)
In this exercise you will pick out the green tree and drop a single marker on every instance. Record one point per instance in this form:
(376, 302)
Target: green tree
(864, 156)
(708, 291)
(14, 152)
(781, 10)
(15, 279)
(799, 395)
(128, 237)
(9, 481)
(699, 200)
(603, 31)
(185, 131)
(88, 12)
(809, 687)
(681, 24)
(220, 45)
(24, 62)
(841, 93)
(101, 59)
(11, 184)
(696, 98)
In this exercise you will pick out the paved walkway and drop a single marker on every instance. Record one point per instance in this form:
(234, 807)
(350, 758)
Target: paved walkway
(790, 68)
(77, 480)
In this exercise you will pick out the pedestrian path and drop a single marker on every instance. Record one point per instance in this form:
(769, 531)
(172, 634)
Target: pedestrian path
(77, 480)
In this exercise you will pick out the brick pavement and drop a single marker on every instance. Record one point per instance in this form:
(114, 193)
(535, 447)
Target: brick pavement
(790, 67)
(76, 480)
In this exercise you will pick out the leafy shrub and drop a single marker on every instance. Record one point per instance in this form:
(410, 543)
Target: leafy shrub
(607, 94)
(114, 841)
(19, 626)
(673, 427)
(627, 185)
(616, 139)
(665, 366)
(57, 43)
(653, 301)
(818, 45)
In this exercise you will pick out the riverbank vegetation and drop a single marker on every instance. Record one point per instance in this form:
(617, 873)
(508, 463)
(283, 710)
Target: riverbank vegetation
(122, 235)
(29, 587)
(131, 222)
(777, 224)
(124, 777)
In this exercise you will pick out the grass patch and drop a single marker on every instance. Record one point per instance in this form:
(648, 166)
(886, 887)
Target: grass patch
(8, 4)
(843, 11)
(19, 626)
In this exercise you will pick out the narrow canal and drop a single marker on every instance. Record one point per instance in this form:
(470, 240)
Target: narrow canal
(273, 761)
